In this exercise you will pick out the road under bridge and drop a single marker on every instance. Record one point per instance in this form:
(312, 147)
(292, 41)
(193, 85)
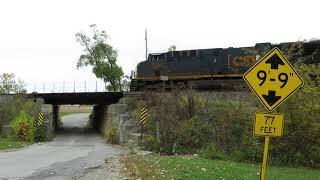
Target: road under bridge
(50, 103)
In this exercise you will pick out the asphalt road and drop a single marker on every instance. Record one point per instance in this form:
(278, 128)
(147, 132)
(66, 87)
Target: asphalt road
(75, 152)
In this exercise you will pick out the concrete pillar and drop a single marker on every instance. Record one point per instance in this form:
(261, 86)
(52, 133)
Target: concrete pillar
(5, 116)
(6, 130)
(48, 122)
(55, 117)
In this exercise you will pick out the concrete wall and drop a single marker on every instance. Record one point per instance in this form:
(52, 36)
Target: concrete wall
(5, 116)
(48, 121)
(38, 106)
(118, 117)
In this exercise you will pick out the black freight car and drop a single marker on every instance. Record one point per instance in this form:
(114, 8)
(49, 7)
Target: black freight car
(207, 68)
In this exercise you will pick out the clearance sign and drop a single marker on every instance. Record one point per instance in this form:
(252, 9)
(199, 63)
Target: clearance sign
(272, 79)
(267, 124)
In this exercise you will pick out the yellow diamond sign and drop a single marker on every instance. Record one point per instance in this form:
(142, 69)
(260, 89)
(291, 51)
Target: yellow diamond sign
(273, 79)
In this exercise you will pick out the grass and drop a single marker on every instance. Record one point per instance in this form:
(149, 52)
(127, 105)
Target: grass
(193, 167)
(8, 143)
(61, 114)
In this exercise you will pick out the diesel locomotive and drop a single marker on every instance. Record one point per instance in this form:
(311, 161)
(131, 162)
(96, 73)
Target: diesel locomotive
(205, 69)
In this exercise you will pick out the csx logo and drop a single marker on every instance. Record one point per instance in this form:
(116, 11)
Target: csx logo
(242, 61)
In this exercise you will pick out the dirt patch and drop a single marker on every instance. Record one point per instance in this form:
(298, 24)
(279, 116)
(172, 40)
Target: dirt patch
(111, 170)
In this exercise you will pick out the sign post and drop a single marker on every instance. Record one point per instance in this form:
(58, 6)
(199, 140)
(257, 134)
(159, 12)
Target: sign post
(163, 79)
(272, 79)
(267, 125)
(265, 157)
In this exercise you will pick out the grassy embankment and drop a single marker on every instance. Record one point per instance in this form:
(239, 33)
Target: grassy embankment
(9, 143)
(193, 167)
(67, 110)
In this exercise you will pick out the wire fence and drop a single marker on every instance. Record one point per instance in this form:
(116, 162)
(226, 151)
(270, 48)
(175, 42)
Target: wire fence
(65, 86)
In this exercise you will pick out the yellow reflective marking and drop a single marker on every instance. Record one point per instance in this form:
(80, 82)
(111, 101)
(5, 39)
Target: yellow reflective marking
(143, 115)
(144, 110)
(40, 119)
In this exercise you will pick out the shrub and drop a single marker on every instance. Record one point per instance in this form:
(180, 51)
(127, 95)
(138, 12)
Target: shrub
(132, 147)
(209, 152)
(150, 143)
(24, 126)
(192, 135)
(40, 133)
(111, 135)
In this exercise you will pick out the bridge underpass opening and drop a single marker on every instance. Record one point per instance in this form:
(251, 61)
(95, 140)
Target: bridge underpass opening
(74, 119)
(97, 101)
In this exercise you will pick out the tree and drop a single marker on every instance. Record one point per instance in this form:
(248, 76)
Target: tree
(102, 57)
(8, 84)
(172, 48)
(126, 83)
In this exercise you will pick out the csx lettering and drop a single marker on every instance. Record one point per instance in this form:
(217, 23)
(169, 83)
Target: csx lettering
(243, 61)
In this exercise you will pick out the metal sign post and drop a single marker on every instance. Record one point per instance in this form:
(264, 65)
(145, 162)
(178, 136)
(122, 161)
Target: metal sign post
(163, 79)
(265, 158)
(272, 79)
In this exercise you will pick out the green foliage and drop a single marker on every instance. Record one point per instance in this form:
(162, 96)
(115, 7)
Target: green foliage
(24, 126)
(111, 135)
(102, 57)
(192, 134)
(150, 142)
(10, 107)
(8, 84)
(40, 133)
(11, 143)
(132, 147)
(209, 152)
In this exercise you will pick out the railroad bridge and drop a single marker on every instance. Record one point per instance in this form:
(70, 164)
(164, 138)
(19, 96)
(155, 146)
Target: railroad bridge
(48, 104)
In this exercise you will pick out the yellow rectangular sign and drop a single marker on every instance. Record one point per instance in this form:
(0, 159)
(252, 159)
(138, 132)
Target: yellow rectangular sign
(267, 124)
(143, 115)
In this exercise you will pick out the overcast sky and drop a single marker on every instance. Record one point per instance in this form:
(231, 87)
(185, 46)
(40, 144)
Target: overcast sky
(37, 38)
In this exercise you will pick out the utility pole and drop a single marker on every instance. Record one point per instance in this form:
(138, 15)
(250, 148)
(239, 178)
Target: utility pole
(146, 38)
(44, 87)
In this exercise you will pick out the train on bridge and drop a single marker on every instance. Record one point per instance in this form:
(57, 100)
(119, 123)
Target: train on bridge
(207, 69)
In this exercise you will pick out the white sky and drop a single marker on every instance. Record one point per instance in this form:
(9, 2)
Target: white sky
(37, 38)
